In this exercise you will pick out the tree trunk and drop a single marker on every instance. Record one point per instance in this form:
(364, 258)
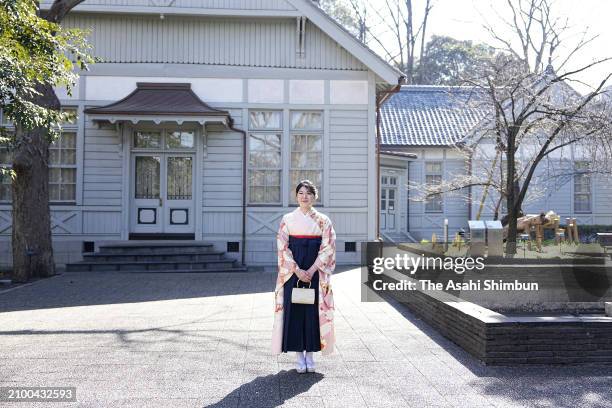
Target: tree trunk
(513, 206)
(31, 236)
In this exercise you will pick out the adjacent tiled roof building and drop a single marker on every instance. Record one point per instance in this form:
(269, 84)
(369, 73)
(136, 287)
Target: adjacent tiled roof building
(429, 115)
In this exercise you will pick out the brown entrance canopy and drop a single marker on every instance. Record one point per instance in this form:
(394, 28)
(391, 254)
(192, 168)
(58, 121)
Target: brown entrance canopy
(159, 102)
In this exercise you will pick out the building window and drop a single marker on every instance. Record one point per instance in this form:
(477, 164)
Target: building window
(265, 164)
(306, 151)
(62, 162)
(582, 188)
(5, 176)
(62, 168)
(433, 176)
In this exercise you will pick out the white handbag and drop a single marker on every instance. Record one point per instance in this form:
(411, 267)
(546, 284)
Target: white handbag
(304, 296)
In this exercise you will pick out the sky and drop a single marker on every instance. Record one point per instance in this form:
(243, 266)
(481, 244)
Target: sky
(463, 20)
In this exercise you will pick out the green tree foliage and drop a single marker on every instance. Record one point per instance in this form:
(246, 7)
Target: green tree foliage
(36, 56)
(35, 52)
(348, 13)
(448, 61)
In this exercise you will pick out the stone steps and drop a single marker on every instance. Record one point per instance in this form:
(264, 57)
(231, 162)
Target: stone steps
(156, 257)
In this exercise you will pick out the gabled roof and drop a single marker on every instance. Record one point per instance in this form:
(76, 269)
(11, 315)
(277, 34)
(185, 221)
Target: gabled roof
(276, 9)
(429, 115)
(364, 54)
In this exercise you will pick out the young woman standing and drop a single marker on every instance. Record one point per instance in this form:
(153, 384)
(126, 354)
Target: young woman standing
(306, 244)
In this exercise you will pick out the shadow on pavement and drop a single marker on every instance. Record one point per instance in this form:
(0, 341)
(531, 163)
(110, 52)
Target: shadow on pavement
(588, 385)
(269, 391)
(101, 288)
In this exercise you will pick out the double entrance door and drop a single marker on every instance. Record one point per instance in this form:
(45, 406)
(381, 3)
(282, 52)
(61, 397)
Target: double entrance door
(162, 188)
(162, 193)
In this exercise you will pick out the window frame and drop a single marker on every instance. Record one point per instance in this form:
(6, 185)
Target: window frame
(72, 128)
(6, 166)
(163, 139)
(438, 197)
(307, 132)
(581, 173)
(265, 131)
(66, 127)
(62, 166)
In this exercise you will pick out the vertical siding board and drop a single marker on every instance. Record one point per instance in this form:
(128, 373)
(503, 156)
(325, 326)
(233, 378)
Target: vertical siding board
(204, 40)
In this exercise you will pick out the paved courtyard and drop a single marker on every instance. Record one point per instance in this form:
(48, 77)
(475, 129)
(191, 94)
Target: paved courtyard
(195, 340)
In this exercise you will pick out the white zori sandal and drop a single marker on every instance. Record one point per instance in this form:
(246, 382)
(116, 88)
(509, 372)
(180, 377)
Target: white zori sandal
(301, 362)
(310, 365)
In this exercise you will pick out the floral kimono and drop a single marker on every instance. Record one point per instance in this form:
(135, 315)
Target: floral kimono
(313, 223)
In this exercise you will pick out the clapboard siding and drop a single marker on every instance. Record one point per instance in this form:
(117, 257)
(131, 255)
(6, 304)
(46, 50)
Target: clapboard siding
(101, 222)
(102, 175)
(351, 224)
(455, 203)
(222, 170)
(602, 200)
(222, 223)
(211, 41)
(423, 224)
(348, 174)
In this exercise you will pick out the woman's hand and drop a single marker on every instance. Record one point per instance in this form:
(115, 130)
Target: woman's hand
(302, 275)
(312, 270)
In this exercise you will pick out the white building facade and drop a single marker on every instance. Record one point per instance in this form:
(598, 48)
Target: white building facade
(201, 118)
(420, 127)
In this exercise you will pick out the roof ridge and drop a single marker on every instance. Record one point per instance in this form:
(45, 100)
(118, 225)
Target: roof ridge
(434, 88)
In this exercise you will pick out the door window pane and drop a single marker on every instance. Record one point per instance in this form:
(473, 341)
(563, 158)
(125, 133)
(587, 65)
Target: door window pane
(179, 178)
(180, 140)
(147, 177)
(147, 140)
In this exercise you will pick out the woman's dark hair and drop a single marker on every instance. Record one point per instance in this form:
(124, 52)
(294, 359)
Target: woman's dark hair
(309, 186)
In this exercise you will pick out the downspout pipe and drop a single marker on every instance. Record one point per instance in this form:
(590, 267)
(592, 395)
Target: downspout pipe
(244, 187)
(381, 97)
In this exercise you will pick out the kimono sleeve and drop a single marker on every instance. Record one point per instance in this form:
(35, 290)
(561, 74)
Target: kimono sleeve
(326, 260)
(286, 263)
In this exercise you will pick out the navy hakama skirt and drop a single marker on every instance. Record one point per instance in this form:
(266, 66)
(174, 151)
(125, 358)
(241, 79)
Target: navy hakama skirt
(301, 322)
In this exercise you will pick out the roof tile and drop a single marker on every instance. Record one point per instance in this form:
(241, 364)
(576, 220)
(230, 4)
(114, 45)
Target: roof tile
(429, 115)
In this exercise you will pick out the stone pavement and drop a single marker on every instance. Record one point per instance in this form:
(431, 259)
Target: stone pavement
(195, 340)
